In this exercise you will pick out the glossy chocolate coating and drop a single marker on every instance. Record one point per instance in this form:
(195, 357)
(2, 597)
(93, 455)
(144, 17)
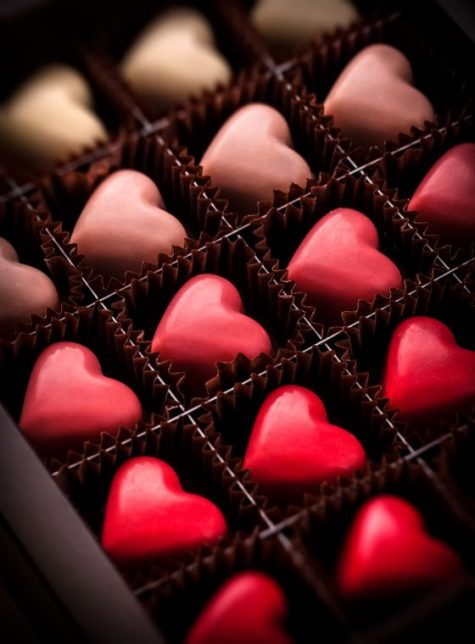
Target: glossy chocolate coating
(124, 224)
(373, 100)
(252, 155)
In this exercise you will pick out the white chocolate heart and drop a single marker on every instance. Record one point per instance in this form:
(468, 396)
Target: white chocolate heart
(50, 116)
(296, 23)
(174, 58)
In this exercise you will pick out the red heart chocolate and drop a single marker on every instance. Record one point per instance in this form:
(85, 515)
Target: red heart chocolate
(427, 375)
(373, 99)
(24, 290)
(68, 400)
(445, 198)
(293, 448)
(388, 552)
(339, 263)
(250, 607)
(205, 324)
(124, 225)
(149, 517)
(252, 155)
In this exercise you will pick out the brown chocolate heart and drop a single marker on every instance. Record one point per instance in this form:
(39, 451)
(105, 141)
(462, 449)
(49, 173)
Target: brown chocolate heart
(373, 99)
(123, 225)
(252, 155)
(24, 290)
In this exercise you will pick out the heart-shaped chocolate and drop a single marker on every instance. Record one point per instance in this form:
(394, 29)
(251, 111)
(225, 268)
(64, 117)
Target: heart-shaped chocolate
(252, 155)
(250, 607)
(339, 263)
(293, 448)
(24, 290)
(124, 224)
(427, 375)
(50, 117)
(204, 324)
(174, 58)
(373, 100)
(294, 24)
(149, 517)
(68, 401)
(445, 198)
(388, 552)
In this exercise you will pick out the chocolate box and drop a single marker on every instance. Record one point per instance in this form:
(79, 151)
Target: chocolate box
(56, 582)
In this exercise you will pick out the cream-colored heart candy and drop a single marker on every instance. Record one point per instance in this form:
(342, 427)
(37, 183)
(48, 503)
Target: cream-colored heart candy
(174, 58)
(50, 117)
(294, 24)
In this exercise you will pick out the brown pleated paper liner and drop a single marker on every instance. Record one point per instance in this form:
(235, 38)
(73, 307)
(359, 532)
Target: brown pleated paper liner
(401, 172)
(281, 227)
(184, 192)
(97, 330)
(369, 329)
(28, 232)
(323, 527)
(146, 299)
(453, 461)
(176, 600)
(444, 85)
(345, 394)
(203, 468)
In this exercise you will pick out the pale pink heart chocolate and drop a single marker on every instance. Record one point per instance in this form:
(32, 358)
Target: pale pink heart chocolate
(373, 100)
(252, 155)
(124, 224)
(24, 290)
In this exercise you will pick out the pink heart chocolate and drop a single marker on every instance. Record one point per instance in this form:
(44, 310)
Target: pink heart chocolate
(445, 198)
(389, 552)
(68, 401)
(339, 263)
(204, 324)
(252, 155)
(373, 99)
(250, 607)
(24, 290)
(149, 517)
(293, 448)
(124, 224)
(427, 375)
